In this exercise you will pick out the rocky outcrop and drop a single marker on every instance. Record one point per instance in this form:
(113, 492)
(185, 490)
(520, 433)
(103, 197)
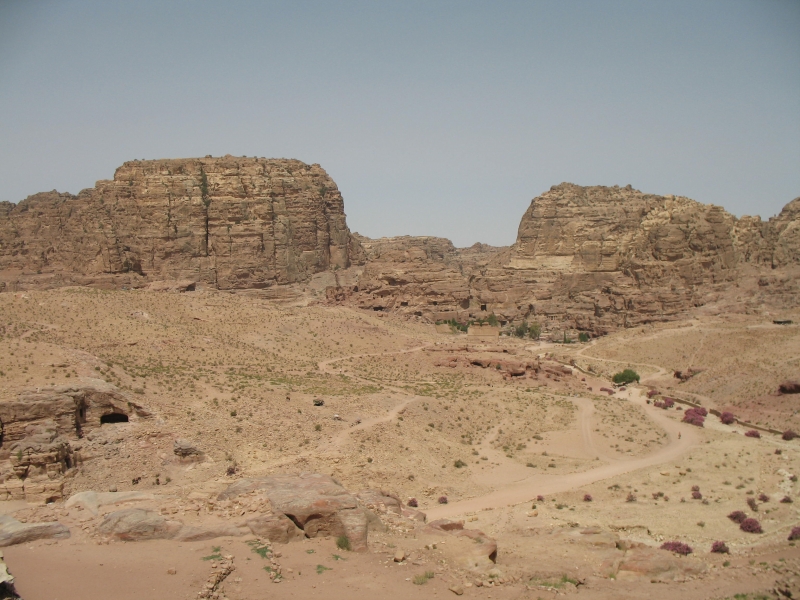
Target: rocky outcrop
(315, 503)
(592, 259)
(36, 431)
(227, 222)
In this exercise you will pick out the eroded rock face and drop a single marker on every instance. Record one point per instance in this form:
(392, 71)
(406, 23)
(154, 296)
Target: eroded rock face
(37, 428)
(227, 222)
(315, 503)
(592, 259)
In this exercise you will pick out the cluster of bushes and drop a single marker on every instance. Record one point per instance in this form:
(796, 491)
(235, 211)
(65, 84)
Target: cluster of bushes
(727, 418)
(523, 330)
(455, 325)
(695, 416)
(746, 524)
(665, 403)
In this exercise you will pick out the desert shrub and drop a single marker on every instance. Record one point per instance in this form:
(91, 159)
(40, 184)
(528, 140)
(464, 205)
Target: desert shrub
(540, 498)
(677, 548)
(789, 435)
(752, 433)
(587, 497)
(631, 497)
(343, 543)
(695, 488)
(697, 496)
(737, 516)
(413, 503)
(583, 337)
(459, 463)
(720, 548)
(727, 418)
(751, 525)
(795, 534)
(626, 376)
(751, 502)
(693, 416)
(442, 500)
(786, 500)
(762, 497)
(492, 320)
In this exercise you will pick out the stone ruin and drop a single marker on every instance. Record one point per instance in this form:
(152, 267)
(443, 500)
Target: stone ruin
(36, 431)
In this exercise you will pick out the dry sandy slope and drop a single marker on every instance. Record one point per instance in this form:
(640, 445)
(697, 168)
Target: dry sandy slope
(238, 376)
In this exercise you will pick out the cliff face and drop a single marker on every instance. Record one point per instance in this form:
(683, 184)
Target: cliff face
(598, 258)
(229, 222)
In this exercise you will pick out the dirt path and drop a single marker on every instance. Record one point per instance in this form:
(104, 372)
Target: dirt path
(524, 490)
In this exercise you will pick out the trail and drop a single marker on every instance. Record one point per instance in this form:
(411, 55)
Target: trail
(517, 492)
(515, 482)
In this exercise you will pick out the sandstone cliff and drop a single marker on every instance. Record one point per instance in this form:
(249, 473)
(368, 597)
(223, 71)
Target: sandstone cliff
(229, 222)
(595, 259)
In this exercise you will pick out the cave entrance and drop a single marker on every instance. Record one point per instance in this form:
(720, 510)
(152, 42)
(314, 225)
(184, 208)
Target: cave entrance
(113, 418)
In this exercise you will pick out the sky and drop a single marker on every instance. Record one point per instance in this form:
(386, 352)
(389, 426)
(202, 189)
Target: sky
(433, 117)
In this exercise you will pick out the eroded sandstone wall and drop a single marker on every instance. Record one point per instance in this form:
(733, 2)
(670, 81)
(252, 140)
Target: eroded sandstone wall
(595, 259)
(229, 222)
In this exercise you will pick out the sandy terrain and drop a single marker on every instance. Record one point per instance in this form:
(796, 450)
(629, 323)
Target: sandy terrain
(238, 376)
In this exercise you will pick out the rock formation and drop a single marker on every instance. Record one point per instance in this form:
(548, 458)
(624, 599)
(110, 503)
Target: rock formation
(593, 259)
(36, 431)
(586, 258)
(228, 222)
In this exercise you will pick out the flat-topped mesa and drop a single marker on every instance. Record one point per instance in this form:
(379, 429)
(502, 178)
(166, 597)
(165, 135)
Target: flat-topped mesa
(229, 222)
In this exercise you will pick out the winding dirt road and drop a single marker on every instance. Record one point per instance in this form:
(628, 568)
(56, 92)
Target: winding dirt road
(515, 484)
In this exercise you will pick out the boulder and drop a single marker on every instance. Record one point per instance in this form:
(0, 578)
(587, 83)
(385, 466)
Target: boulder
(92, 501)
(659, 565)
(316, 503)
(13, 532)
(381, 501)
(186, 450)
(276, 528)
(135, 524)
(189, 533)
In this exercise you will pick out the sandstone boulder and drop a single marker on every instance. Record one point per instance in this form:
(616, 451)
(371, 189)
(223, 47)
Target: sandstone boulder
(316, 503)
(13, 532)
(136, 524)
(186, 450)
(275, 528)
(659, 565)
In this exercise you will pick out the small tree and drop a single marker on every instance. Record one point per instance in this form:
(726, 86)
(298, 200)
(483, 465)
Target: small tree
(492, 320)
(625, 377)
(535, 331)
(583, 337)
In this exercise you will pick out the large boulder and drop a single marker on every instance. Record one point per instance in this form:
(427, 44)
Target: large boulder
(276, 528)
(316, 503)
(136, 524)
(13, 532)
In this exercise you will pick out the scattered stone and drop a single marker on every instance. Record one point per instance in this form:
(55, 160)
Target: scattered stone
(399, 556)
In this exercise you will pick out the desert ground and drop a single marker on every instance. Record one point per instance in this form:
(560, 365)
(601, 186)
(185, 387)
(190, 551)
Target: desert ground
(577, 487)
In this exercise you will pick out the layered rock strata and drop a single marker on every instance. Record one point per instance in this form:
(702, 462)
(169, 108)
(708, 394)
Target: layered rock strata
(227, 222)
(593, 259)
(38, 432)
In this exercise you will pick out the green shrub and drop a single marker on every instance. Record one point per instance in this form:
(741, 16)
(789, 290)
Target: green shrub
(626, 376)
(583, 337)
(343, 543)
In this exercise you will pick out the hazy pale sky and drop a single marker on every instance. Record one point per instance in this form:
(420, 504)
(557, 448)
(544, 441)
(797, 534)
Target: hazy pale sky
(434, 118)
